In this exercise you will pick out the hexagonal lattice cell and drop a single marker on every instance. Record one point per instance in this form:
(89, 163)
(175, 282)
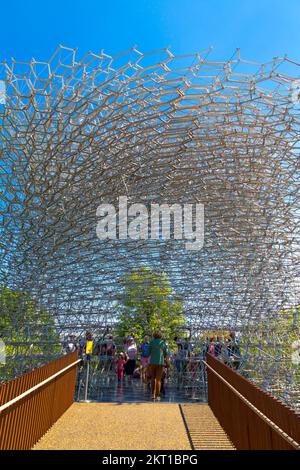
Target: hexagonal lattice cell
(76, 133)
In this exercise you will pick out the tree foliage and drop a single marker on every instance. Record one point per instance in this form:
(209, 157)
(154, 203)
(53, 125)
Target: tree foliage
(27, 330)
(148, 304)
(275, 335)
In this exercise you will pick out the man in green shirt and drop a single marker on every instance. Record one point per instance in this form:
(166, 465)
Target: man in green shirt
(158, 353)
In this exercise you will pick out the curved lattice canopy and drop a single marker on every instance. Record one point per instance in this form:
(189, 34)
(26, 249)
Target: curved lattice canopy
(78, 132)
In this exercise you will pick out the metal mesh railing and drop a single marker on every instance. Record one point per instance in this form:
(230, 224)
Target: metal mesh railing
(183, 380)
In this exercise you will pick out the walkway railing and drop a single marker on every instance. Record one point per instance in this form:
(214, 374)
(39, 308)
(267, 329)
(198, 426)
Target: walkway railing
(184, 380)
(30, 404)
(252, 418)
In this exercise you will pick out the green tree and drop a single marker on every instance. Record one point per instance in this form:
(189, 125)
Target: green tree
(28, 331)
(148, 304)
(272, 346)
(276, 335)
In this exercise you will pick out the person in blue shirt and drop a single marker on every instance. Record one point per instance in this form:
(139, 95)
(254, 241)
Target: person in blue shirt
(145, 356)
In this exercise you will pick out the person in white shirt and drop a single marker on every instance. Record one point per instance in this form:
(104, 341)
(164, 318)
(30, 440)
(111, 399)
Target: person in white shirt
(131, 351)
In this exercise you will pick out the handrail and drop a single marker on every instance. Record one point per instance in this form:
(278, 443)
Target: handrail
(36, 387)
(276, 428)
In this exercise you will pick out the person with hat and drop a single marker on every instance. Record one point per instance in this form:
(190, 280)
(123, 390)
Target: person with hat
(131, 352)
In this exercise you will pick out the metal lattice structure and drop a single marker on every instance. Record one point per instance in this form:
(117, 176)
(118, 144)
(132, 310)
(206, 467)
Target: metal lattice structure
(77, 132)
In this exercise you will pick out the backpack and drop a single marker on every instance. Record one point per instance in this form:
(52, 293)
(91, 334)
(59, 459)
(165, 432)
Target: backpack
(145, 349)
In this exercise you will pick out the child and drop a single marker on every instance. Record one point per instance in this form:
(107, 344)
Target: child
(121, 361)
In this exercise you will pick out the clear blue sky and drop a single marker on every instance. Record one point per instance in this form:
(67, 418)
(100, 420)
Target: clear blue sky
(261, 28)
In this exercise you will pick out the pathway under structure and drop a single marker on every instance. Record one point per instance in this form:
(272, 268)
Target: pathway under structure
(37, 410)
(135, 426)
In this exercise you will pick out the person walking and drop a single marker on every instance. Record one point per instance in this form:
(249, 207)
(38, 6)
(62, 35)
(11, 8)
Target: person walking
(144, 350)
(211, 346)
(218, 347)
(131, 352)
(87, 345)
(158, 353)
(111, 350)
(71, 345)
(121, 361)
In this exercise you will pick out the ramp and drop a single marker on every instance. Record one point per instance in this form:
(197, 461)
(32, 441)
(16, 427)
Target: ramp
(133, 426)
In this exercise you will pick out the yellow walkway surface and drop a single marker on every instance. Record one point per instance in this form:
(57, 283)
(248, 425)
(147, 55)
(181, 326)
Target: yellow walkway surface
(204, 429)
(131, 426)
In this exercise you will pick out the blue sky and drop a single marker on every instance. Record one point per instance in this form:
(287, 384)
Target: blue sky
(261, 28)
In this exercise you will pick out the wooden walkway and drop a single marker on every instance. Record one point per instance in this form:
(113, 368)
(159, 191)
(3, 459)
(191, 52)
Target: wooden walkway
(150, 426)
